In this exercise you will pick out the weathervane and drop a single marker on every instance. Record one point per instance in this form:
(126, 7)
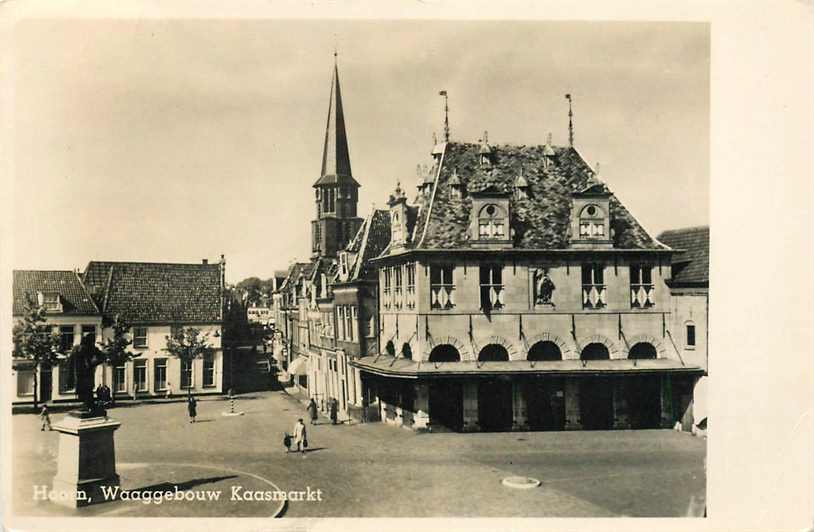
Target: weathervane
(570, 121)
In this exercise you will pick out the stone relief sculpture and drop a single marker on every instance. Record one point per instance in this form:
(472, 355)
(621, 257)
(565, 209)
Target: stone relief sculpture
(544, 287)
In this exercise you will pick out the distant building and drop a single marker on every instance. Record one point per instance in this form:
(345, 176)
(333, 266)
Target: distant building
(153, 298)
(689, 286)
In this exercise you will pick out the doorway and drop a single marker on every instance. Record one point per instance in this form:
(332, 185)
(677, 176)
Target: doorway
(644, 401)
(45, 383)
(495, 405)
(545, 404)
(596, 404)
(446, 406)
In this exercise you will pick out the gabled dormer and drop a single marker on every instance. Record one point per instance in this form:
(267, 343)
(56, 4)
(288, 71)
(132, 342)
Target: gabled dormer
(489, 219)
(50, 301)
(590, 218)
(485, 151)
(521, 186)
(456, 186)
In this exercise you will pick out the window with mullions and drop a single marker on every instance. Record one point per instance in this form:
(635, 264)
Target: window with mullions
(410, 293)
(491, 287)
(139, 337)
(642, 292)
(66, 338)
(186, 374)
(386, 290)
(442, 287)
(209, 370)
(397, 293)
(491, 223)
(348, 324)
(593, 286)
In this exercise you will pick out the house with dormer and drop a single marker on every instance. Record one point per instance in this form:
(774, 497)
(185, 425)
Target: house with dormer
(518, 293)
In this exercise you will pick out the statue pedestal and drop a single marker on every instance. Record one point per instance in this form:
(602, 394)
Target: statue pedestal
(86, 460)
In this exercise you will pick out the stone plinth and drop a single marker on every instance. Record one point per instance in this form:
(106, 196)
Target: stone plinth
(86, 460)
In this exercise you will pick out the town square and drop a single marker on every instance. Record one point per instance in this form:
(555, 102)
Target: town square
(333, 284)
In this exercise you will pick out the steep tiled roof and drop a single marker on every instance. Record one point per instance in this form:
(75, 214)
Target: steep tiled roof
(375, 236)
(540, 221)
(692, 264)
(146, 292)
(74, 296)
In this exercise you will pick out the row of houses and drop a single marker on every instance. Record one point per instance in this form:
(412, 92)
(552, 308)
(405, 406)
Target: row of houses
(513, 292)
(153, 299)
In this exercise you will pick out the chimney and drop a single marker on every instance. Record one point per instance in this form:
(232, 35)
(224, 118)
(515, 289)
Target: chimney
(204, 261)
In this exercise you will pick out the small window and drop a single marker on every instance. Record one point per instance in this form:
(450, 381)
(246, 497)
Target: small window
(160, 374)
(442, 287)
(491, 287)
(186, 374)
(209, 370)
(119, 379)
(66, 338)
(140, 375)
(690, 343)
(592, 222)
(491, 223)
(139, 337)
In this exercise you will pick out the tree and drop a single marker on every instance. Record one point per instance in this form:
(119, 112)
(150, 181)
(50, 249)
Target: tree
(86, 356)
(187, 344)
(35, 341)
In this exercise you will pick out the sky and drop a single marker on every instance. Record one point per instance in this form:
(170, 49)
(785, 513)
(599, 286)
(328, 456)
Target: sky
(176, 140)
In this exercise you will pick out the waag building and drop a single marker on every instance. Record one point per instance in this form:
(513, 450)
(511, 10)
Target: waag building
(518, 293)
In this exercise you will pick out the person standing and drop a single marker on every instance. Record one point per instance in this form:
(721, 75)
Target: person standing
(312, 411)
(365, 406)
(192, 408)
(334, 407)
(169, 391)
(300, 436)
(45, 418)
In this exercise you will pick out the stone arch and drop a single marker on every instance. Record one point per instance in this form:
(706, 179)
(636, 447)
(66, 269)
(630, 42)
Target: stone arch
(514, 354)
(595, 351)
(566, 348)
(493, 353)
(642, 350)
(545, 350)
(444, 353)
(466, 354)
(613, 350)
(648, 339)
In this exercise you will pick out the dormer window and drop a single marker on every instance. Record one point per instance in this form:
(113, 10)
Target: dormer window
(485, 150)
(50, 301)
(492, 222)
(456, 189)
(592, 222)
(521, 187)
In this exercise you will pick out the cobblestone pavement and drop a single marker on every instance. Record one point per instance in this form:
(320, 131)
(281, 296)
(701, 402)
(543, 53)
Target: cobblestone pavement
(372, 470)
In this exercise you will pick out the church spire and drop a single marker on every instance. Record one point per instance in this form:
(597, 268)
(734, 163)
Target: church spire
(335, 157)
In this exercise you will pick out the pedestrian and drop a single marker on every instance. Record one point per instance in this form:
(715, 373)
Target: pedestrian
(169, 391)
(312, 411)
(300, 436)
(365, 405)
(334, 406)
(45, 418)
(287, 442)
(192, 408)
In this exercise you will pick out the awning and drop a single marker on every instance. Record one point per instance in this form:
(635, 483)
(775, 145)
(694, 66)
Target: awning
(299, 366)
(405, 368)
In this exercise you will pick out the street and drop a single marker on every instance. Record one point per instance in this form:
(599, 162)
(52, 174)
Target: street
(368, 470)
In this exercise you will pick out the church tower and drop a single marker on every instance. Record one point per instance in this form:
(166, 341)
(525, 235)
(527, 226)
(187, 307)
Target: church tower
(336, 191)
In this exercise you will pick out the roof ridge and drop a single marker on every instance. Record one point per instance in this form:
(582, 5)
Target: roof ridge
(107, 286)
(121, 262)
(432, 198)
(361, 258)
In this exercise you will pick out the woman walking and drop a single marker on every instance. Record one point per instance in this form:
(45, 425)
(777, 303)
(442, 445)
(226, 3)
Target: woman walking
(312, 411)
(192, 408)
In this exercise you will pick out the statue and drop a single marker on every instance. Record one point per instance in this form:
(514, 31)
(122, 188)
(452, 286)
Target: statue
(84, 358)
(544, 287)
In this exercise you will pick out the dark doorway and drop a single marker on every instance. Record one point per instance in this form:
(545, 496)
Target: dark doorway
(545, 404)
(642, 350)
(493, 353)
(545, 350)
(45, 383)
(595, 351)
(596, 404)
(495, 405)
(643, 396)
(444, 353)
(446, 406)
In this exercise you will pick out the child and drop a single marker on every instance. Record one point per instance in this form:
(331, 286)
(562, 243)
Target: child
(45, 418)
(287, 442)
